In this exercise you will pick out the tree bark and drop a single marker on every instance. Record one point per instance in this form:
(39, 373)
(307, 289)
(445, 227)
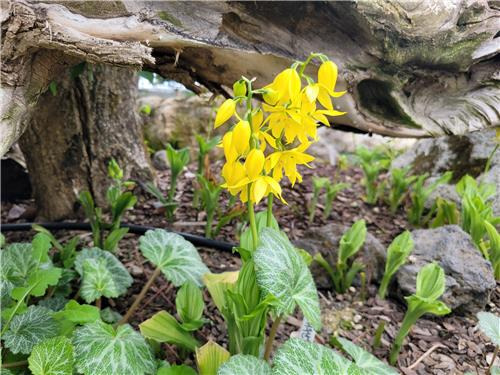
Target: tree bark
(76, 131)
(411, 69)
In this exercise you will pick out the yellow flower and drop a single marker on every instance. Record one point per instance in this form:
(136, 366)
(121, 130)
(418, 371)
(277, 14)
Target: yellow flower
(263, 186)
(233, 173)
(241, 137)
(327, 77)
(284, 88)
(225, 112)
(254, 163)
(229, 150)
(288, 161)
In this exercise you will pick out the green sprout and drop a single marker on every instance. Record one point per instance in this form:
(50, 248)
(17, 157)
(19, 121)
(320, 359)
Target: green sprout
(331, 193)
(210, 194)
(177, 159)
(420, 193)
(345, 270)
(373, 163)
(319, 184)
(430, 286)
(447, 213)
(399, 185)
(119, 201)
(397, 253)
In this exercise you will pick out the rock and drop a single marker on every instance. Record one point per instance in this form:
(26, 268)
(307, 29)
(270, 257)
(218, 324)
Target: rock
(176, 119)
(461, 154)
(469, 277)
(333, 142)
(160, 160)
(325, 240)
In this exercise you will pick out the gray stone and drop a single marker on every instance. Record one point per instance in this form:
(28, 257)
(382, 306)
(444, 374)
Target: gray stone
(160, 161)
(325, 240)
(469, 277)
(461, 154)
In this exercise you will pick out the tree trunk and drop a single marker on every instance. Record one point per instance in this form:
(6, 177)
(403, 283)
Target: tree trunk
(410, 68)
(76, 130)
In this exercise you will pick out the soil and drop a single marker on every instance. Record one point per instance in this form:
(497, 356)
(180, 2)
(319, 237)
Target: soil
(446, 345)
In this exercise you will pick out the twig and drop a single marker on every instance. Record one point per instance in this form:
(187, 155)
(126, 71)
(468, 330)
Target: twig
(426, 354)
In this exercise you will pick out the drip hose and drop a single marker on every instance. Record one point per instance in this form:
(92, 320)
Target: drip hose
(136, 229)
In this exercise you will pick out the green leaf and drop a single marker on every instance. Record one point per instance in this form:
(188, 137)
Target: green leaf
(210, 357)
(29, 328)
(282, 272)
(41, 245)
(114, 237)
(246, 241)
(490, 326)
(55, 303)
(297, 356)
(102, 350)
(42, 279)
(102, 274)
(351, 241)
(163, 327)
(53, 88)
(176, 370)
(78, 314)
(52, 357)
(190, 305)
(430, 282)
(2, 241)
(217, 285)
(243, 364)
(177, 258)
(365, 360)
(110, 316)
(17, 263)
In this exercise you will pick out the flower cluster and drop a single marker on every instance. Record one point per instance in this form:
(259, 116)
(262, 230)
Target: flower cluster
(270, 141)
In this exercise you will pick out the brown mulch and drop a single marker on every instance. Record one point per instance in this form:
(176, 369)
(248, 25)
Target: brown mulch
(456, 343)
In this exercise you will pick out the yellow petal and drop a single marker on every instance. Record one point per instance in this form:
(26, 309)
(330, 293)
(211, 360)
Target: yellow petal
(257, 120)
(254, 163)
(312, 92)
(241, 137)
(294, 85)
(324, 99)
(327, 75)
(259, 189)
(226, 110)
(227, 144)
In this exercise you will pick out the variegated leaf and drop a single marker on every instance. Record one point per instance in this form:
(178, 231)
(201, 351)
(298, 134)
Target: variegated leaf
(102, 274)
(282, 271)
(297, 356)
(52, 357)
(29, 328)
(102, 350)
(243, 364)
(366, 361)
(177, 258)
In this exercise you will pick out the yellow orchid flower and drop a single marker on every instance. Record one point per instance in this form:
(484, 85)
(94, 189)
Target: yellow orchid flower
(254, 164)
(241, 137)
(288, 161)
(227, 144)
(225, 112)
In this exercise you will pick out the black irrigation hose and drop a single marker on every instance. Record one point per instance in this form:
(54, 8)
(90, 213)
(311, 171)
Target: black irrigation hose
(136, 229)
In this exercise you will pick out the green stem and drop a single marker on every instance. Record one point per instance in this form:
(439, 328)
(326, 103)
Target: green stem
(208, 225)
(313, 204)
(382, 290)
(409, 319)
(251, 219)
(14, 311)
(490, 158)
(270, 338)
(139, 298)
(269, 209)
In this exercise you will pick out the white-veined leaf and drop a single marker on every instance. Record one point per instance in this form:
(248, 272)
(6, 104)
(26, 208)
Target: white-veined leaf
(177, 258)
(490, 326)
(243, 364)
(102, 274)
(297, 356)
(100, 350)
(17, 262)
(55, 303)
(367, 362)
(282, 272)
(29, 328)
(52, 357)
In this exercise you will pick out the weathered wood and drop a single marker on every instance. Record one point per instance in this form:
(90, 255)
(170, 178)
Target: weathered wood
(76, 132)
(411, 68)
